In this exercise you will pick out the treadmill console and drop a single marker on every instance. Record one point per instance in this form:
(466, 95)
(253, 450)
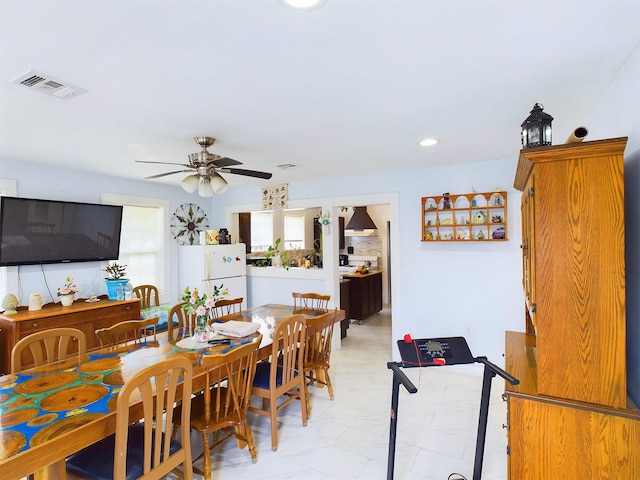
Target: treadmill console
(425, 352)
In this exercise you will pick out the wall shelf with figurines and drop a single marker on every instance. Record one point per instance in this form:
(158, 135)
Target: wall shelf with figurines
(465, 217)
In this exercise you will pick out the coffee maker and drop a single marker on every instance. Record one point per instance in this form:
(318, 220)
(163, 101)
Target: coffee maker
(343, 260)
(224, 237)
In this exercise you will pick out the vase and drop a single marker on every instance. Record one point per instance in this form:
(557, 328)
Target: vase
(201, 328)
(66, 300)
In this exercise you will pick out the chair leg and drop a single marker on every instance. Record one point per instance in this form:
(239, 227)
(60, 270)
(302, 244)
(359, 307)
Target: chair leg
(206, 457)
(306, 391)
(246, 433)
(327, 380)
(273, 411)
(303, 401)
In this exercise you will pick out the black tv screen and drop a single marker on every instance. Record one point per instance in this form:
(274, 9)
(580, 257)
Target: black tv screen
(34, 231)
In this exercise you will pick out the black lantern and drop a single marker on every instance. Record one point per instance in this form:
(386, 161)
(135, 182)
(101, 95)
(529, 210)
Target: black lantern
(536, 129)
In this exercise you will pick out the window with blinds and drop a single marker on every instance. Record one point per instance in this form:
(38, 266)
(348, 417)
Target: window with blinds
(143, 240)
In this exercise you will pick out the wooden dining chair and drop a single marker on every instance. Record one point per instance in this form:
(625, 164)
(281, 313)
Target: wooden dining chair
(148, 295)
(185, 323)
(310, 301)
(145, 448)
(221, 410)
(282, 375)
(228, 306)
(47, 346)
(317, 353)
(128, 333)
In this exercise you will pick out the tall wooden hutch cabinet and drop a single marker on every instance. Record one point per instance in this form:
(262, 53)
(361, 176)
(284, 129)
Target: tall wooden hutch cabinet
(570, 416)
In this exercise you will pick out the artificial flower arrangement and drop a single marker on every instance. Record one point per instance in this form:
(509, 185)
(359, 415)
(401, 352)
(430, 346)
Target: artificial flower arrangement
(69, 288)
(202, 307)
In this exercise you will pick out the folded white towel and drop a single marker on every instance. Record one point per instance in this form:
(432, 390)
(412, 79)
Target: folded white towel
(235, 328)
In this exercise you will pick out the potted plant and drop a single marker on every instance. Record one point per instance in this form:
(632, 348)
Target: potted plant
(115, 276)
(277, 257)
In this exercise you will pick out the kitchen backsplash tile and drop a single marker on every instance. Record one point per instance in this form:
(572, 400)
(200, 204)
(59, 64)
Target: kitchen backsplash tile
(364, 246)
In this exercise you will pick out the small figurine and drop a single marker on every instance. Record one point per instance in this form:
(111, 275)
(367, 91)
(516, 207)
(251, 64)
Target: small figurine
(9, 303)
(446, 205)
(498, 234)
(480, 235)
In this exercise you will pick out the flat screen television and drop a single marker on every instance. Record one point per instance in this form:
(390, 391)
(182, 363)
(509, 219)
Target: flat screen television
(34, 231)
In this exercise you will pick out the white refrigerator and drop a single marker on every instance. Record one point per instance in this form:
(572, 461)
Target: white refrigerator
(203, 266)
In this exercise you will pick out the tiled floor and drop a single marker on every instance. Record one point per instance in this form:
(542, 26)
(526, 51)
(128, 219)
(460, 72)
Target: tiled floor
(348, 438)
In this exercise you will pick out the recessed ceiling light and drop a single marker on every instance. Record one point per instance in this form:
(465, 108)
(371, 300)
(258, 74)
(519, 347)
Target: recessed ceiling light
(286, 166)
(303, 4)
(427, 142)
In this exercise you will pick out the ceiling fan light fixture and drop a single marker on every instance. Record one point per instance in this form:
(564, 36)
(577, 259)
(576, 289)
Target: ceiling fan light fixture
(190, 183)
(218, 183)
(205, 189)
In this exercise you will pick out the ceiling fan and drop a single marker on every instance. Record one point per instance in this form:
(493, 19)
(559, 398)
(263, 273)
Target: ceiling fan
(204, 168)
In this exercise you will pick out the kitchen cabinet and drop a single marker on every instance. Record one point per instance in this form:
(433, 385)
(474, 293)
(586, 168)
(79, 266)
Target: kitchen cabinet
(365, 294)
(465, 217)
(570, 416)
(344, 305)
(87, 317)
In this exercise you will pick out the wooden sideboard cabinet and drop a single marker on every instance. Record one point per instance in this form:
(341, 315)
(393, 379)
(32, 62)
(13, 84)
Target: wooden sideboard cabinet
(81, 315)
(570, 417)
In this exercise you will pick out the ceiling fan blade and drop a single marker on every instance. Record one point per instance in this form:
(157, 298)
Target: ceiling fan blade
(247, 173)
(226, 162)
(163, 163)
(168, 173)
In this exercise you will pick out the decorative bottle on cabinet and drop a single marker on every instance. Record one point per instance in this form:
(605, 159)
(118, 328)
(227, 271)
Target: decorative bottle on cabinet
(570, 417)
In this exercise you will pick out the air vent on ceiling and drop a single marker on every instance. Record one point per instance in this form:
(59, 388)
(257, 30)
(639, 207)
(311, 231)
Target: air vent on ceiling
(48, 85)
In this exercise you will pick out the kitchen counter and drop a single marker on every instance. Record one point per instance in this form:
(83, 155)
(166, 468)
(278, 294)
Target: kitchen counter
(292, 272)
(370, 273)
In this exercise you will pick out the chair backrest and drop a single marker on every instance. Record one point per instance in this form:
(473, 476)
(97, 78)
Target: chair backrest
(310, 301)
(48, 346)
(158, 389)
(148, 294)
(231, 397)
(186, 323)
(319, 335)
(288, 351)
(127, 333)
(228, 306)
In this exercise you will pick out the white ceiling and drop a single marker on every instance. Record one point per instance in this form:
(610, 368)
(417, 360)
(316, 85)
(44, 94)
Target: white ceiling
(346, 89)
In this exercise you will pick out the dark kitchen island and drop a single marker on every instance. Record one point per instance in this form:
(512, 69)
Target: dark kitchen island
(365, 294)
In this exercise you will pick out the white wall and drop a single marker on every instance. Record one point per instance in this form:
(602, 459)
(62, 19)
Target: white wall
(618, 115)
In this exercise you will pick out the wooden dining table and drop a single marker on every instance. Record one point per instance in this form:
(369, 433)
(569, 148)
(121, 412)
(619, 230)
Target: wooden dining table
(47, 413)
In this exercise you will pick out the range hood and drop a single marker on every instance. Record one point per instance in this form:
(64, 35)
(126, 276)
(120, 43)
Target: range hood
(360, 224)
